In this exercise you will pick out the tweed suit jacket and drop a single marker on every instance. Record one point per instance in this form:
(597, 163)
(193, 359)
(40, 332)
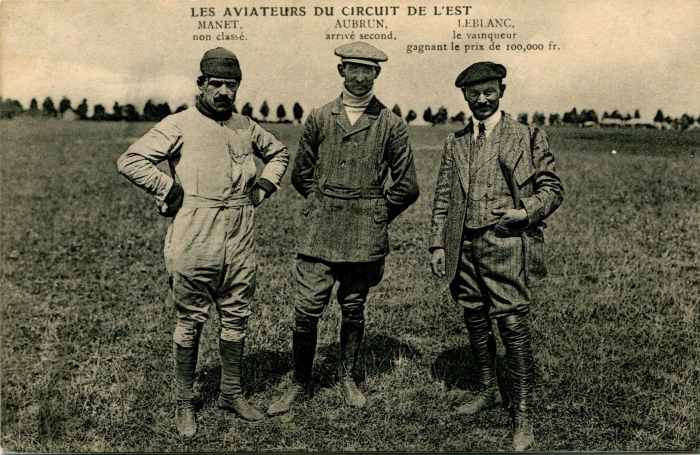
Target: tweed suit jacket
(528, 167)
(355, 178)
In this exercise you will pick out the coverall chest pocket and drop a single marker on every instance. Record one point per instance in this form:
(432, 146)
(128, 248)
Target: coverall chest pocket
(248, 168)
(240, 149)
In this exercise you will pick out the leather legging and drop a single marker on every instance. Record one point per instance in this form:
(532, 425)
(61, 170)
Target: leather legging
(515, 334)
(483, 347)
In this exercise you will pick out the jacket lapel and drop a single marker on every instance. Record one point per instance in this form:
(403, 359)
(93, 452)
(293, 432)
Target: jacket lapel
(362, 123)
(504, 140)
(372, 111)
(509, 151)
(460, 154)
(341, 118)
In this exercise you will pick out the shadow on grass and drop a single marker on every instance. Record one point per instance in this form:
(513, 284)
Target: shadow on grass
(264, 369)
(457, 369)
(379, 352)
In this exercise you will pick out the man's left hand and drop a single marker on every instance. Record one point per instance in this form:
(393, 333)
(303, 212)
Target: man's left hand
(510, 220)
(257, 195)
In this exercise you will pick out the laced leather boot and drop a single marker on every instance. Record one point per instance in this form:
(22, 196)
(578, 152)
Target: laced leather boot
(231, 396)
(523, 434)
(303, 349)
(351, 333)
(515, 334)
(483, 347)
(185, 419)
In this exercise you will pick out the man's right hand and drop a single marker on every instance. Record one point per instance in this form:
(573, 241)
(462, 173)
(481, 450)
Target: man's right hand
(172, 202)
(437, 262)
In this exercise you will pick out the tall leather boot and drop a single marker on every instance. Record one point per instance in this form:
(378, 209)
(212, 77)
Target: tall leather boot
(515, 334)
(351, 333)
(231, 395)
(483, 347)
(185, 363)
(303, 350)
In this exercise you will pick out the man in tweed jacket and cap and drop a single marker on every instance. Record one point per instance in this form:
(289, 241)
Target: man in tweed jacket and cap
(355, 168)
(495, 187)
(209, 247)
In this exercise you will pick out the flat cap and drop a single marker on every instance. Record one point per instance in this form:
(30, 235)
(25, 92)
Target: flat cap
(362, 53)
(220, 62)
(480, 72)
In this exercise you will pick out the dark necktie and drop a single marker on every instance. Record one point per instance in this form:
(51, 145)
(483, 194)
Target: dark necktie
(480, 138)
(482, 135)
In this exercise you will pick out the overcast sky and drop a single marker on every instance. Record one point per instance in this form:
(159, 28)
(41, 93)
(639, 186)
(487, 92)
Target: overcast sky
(612, 54)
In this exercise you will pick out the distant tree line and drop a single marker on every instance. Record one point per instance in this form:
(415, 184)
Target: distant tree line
(585, 118)
(153, 112)
(616, 118)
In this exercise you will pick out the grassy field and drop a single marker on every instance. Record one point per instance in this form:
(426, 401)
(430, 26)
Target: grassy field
(86, 326)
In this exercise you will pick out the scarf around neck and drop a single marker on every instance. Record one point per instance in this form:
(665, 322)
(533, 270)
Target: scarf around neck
(209, 112)
(355, 105)
(350, 100)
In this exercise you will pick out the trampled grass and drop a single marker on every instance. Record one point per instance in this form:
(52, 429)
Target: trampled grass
(86, 326)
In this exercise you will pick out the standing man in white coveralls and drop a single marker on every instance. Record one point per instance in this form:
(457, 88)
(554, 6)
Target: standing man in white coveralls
(209, 247)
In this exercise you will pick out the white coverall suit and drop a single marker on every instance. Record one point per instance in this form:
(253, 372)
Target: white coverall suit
(210, 247)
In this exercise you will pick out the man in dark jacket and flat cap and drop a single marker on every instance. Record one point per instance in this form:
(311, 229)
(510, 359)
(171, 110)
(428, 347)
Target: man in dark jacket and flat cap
(355, 168)
(495, 187)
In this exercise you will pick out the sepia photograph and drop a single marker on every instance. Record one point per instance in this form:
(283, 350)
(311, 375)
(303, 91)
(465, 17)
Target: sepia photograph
(330, 226)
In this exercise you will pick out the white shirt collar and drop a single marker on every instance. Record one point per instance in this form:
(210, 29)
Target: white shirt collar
(489, 123)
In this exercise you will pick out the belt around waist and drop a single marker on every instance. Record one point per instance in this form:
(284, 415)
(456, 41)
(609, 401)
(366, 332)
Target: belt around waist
(234, 200)
(343, 192)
